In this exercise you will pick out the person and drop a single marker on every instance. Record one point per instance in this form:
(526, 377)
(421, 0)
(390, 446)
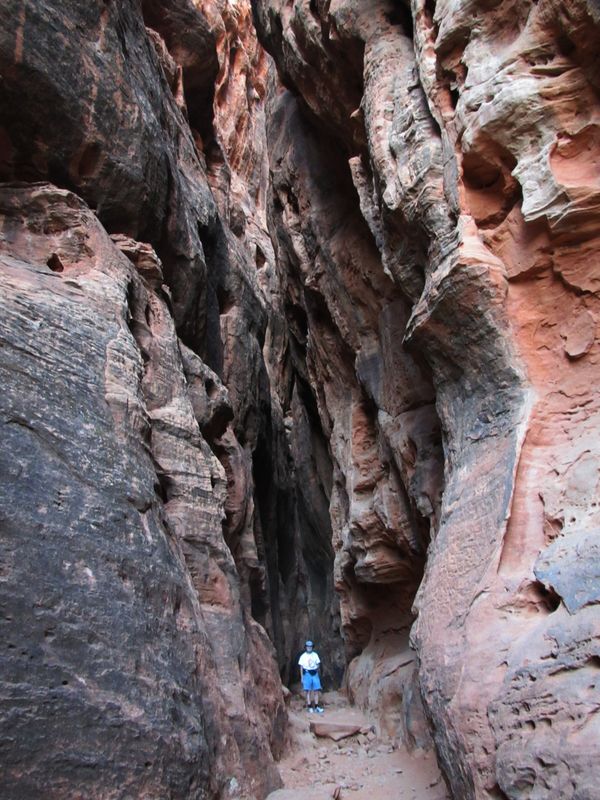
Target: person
(310, 663)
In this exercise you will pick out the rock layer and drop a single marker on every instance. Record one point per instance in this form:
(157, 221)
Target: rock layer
(131, 665)
(255, 323)
(469, 133)
(177, 463)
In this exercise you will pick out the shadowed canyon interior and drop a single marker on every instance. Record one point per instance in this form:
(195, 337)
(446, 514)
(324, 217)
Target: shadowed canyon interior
(298, 338)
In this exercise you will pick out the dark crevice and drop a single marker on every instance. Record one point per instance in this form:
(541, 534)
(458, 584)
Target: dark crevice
(186, 33)
(436, 127)
(267, 531)
(566, 47)
(54, 263)
(546, 596)
(430, 9)
(219, 299)
(260, 258)
(89, 160)
(199, 104)
(401, 15)
(297, 322)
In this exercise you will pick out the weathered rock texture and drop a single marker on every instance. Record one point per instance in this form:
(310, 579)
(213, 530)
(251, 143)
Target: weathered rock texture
(159, 513)
(435, 201)
(130, 665)
(246, 328)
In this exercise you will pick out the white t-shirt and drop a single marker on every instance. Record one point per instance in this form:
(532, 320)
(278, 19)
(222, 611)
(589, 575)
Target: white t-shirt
(309, 660)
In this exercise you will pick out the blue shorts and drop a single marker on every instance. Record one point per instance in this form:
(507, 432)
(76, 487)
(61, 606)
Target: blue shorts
(311, 683)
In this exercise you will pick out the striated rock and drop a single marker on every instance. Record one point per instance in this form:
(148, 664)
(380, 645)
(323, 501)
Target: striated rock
(281, 516)
(469, 136)
(275, 523)
(154, 115)
(139, 667)
(344, 336)
(374, 401)
(101, 119)
(143, 257)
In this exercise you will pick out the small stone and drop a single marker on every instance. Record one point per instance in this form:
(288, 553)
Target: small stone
(579, 333)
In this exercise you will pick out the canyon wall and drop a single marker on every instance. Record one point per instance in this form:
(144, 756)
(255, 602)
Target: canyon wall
(291, 347)
(166, 544)
(435, 197)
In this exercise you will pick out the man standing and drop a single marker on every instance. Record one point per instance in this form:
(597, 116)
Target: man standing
(309, 663)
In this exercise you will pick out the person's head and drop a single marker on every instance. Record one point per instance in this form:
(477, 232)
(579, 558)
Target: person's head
(309, 646)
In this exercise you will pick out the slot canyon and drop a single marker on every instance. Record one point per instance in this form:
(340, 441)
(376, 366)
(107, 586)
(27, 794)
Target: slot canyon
(298, 336)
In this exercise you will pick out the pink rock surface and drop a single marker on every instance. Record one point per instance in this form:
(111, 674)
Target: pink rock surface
(336, 730)
(355, 318)
(470, 137)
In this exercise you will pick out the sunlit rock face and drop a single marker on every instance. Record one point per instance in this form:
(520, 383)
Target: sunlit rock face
(435, 197)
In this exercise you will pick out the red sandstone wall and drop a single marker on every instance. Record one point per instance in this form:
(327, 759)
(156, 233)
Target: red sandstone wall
(355, 316)
(469, 134)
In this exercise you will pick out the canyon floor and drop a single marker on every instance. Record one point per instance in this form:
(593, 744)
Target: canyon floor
(365, 766)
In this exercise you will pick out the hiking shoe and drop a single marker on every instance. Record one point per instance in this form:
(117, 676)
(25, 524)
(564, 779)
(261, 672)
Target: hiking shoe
(310, 710)
(319, 710)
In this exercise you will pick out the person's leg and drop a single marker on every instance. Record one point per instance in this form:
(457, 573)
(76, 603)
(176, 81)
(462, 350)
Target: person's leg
(315, 697)
(308, 699)
(318, 688)
(307, 687)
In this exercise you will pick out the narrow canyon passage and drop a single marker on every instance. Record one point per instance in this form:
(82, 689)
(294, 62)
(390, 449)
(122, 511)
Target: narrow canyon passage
(299, 338)
(340, 755)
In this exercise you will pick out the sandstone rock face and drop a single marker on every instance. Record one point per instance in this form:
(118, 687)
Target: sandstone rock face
(464, 136)
(258, 343)
(157, 518)
(375, 402)
(130, 664)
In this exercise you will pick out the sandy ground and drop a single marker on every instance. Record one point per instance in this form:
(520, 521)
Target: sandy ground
(360, 767)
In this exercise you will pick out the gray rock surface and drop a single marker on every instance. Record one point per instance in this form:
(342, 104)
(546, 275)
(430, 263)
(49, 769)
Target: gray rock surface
(123, 108)
(129, 665)
(260, 343)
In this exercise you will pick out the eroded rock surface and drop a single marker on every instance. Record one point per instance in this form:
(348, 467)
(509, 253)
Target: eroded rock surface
(464, 136)
(255, 322)
(148, 119)
(130, 664)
